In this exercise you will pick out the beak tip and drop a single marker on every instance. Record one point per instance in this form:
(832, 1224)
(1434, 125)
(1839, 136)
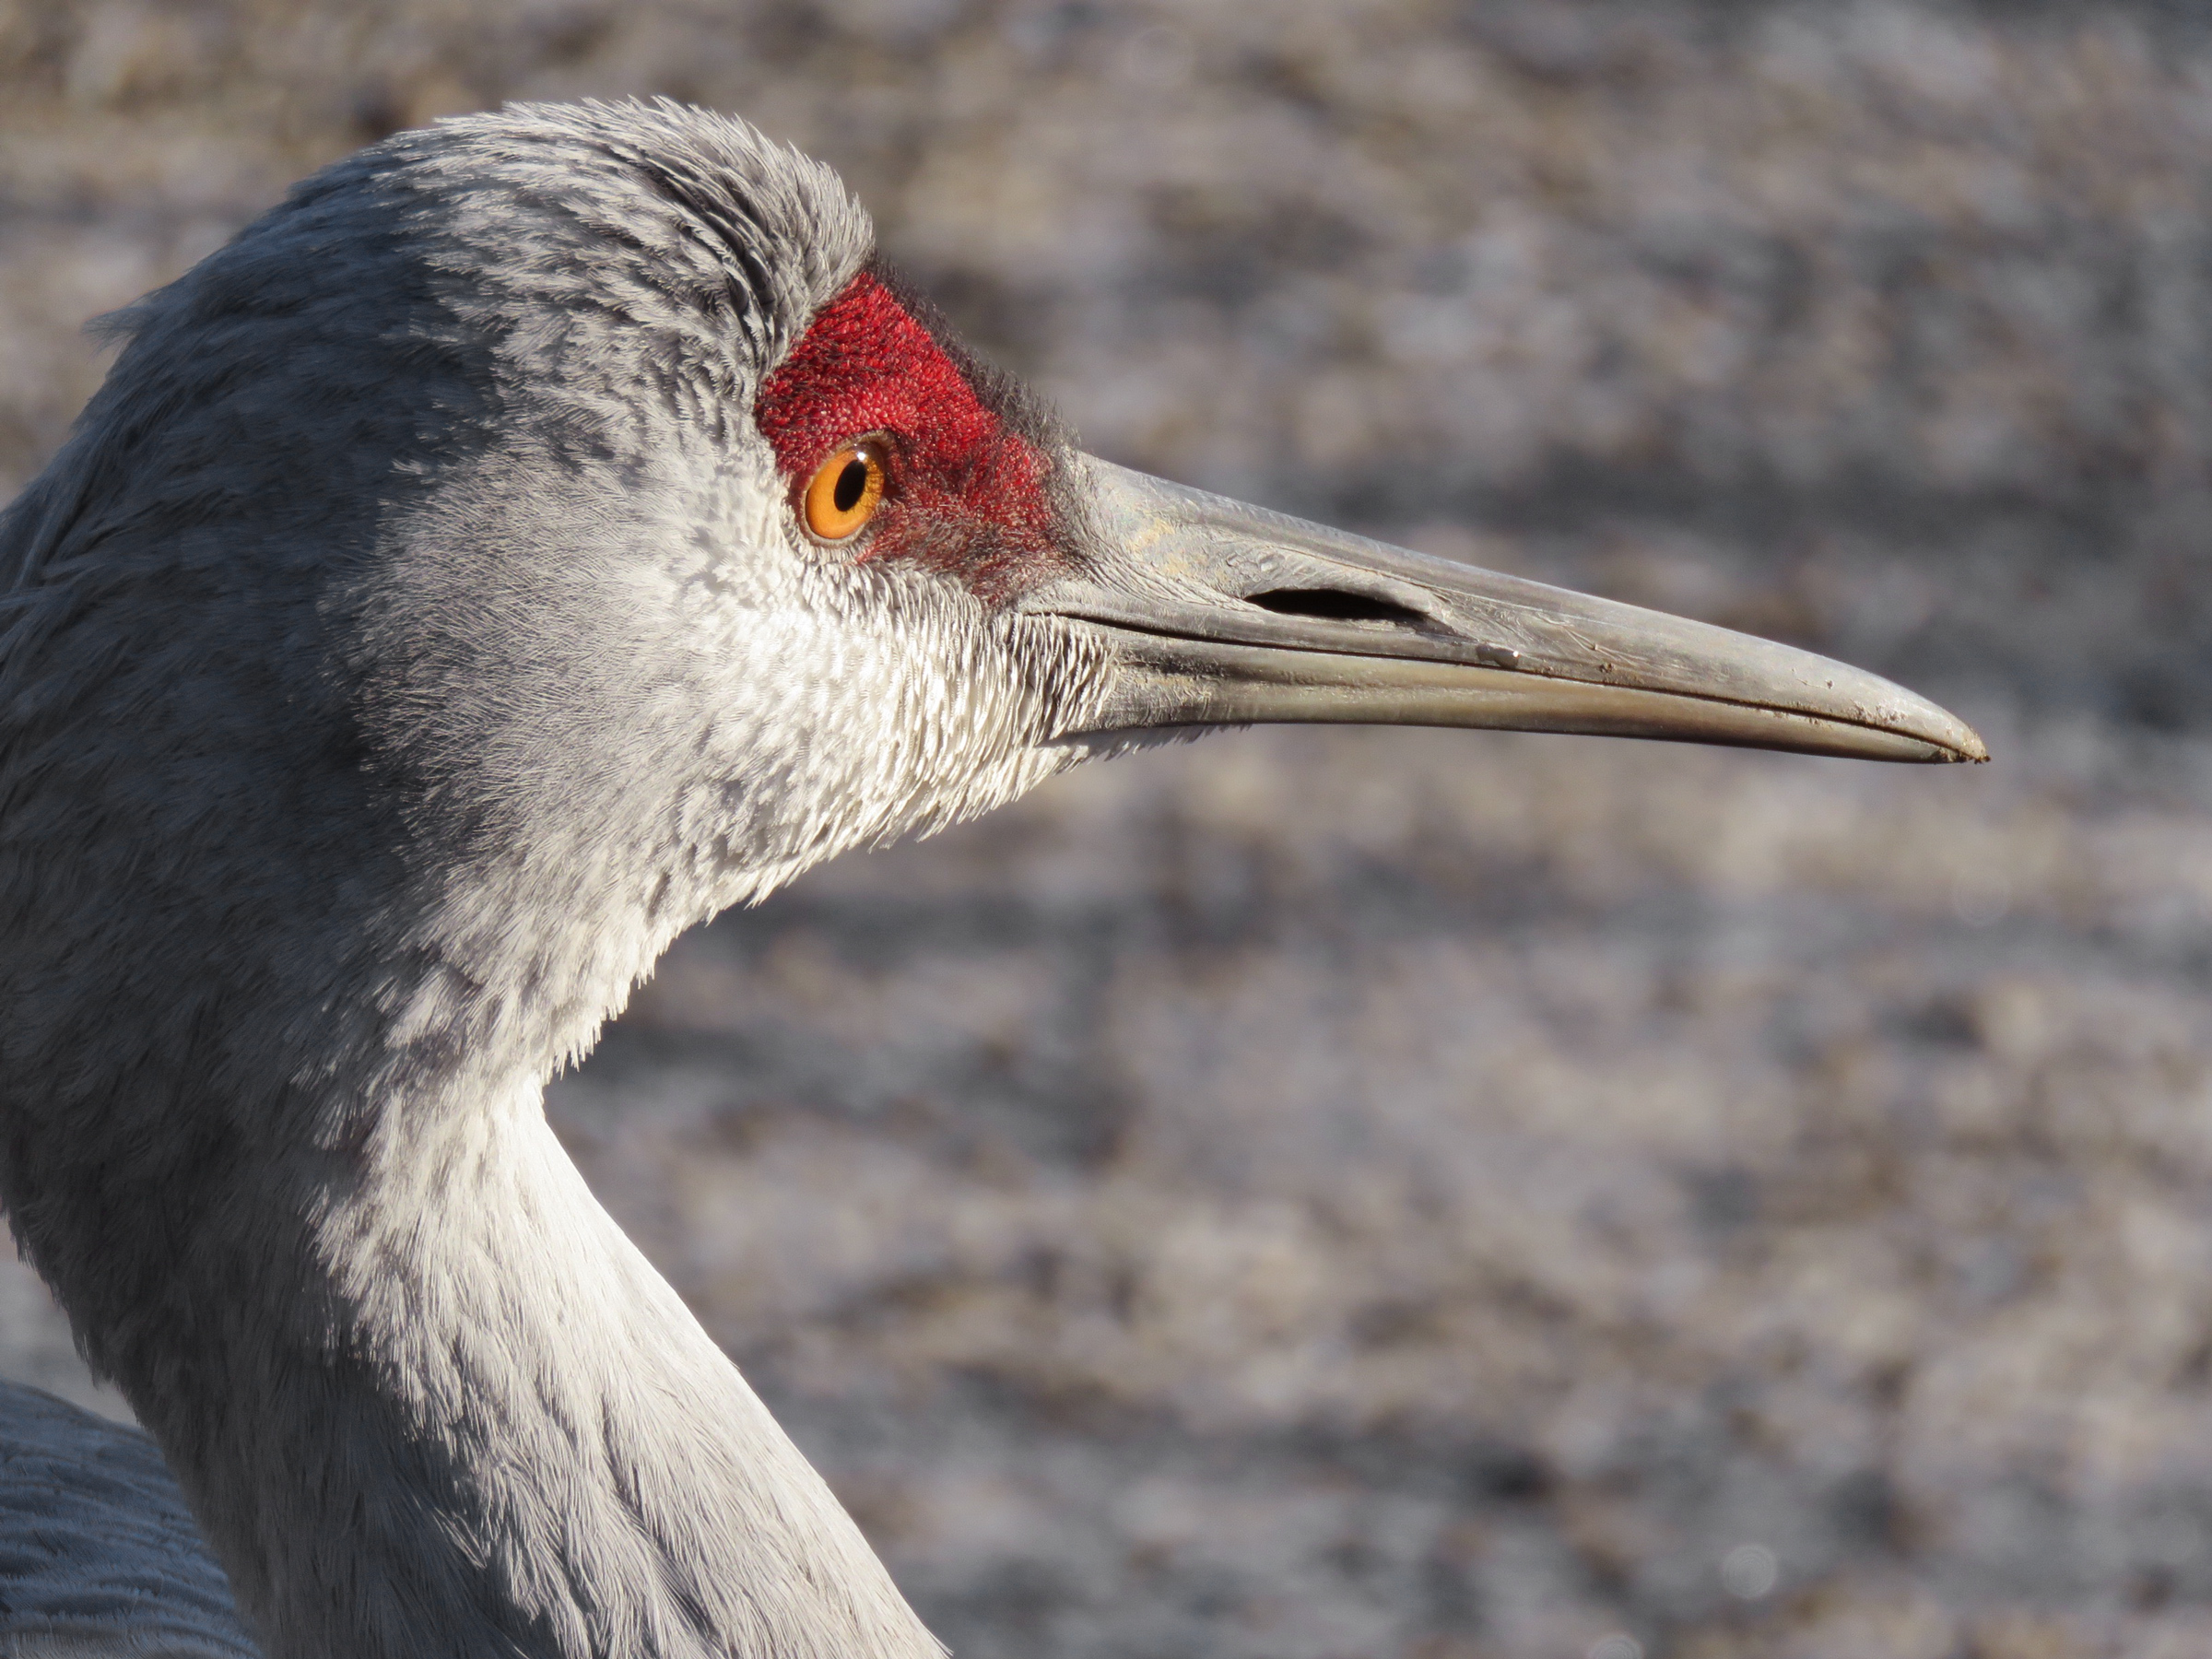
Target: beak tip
(1951, 739)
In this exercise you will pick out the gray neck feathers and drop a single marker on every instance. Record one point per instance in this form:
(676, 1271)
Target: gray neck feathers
(515, 1438)
(358, 752)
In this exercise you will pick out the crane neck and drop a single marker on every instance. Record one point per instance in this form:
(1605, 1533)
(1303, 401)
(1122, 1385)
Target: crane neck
(480, 1422)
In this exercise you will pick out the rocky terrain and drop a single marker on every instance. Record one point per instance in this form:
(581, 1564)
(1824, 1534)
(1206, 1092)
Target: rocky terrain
(1344, 1195)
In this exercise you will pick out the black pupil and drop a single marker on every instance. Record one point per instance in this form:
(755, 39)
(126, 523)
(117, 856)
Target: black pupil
(851, 484)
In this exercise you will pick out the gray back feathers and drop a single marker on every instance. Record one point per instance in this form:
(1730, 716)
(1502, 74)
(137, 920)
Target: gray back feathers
(98, 1553)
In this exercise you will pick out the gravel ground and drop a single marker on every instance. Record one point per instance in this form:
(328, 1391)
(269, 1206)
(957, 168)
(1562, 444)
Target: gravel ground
(1334, 1193)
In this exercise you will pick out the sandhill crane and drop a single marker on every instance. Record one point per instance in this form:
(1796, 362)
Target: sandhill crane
(534, 535)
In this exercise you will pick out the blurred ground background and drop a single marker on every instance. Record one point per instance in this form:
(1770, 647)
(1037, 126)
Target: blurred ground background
(1324, 1195)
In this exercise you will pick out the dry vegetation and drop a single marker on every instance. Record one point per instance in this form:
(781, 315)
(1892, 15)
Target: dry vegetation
(1326, 1194)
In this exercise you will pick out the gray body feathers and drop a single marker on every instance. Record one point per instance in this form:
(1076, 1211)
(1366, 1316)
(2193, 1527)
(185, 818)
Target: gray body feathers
(99, 1555)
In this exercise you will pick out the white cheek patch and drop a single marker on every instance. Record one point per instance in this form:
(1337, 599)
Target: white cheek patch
(836, 703)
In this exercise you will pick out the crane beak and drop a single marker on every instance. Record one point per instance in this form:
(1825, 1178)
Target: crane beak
(1211, 612)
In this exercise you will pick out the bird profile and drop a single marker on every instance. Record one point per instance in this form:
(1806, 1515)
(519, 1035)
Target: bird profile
(537, 535)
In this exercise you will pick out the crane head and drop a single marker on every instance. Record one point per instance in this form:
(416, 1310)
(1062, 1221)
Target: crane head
(564, 514)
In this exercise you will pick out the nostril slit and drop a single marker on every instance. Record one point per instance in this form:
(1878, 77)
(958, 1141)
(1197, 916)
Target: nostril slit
(1335, 605)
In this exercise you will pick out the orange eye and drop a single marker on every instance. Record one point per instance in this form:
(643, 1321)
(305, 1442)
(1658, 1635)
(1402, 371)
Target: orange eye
(845, 491)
